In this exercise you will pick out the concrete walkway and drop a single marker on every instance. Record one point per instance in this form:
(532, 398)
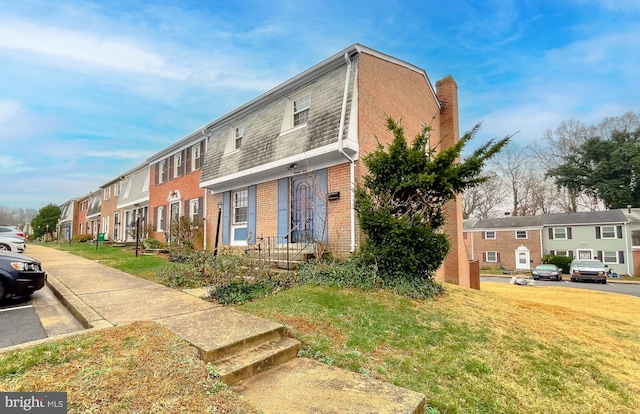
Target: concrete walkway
(251, 353)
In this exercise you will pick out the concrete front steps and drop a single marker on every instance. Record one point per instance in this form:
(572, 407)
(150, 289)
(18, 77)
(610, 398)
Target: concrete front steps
(254, 356)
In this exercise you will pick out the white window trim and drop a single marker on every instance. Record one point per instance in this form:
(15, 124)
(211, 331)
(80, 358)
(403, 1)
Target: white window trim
(557, 252)
(602, 236)
(238, 134)
(526, 235)
(555, 237)
(585, 250)
(287, 121)
(615, 255)
(238, 225)
(494, 235)
(495, 257)
(160, 223)
(162, 172)
(195, 202)
(195, 150)
(177, 163)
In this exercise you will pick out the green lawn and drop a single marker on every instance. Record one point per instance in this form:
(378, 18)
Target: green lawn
(503, 349)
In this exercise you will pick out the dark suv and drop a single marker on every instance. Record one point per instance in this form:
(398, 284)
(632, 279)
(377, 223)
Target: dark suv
(20, 275)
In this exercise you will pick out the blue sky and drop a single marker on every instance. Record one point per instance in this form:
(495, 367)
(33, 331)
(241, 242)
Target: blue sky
(89, 89)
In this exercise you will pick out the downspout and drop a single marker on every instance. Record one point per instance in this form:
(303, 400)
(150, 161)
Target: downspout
(628, 250)
(352, 165)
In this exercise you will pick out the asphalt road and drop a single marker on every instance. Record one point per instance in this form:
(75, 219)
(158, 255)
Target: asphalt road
(19, 323)
(36, 317)
(612, 286)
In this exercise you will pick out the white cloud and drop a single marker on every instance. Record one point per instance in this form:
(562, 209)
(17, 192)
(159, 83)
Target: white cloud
(115, 53)
(9, 110)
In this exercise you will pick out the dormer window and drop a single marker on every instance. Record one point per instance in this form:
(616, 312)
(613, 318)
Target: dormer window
(238, 137)
(301, 110)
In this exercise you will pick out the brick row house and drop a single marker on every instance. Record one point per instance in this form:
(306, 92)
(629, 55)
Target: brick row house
(519, 243)
(284, 165)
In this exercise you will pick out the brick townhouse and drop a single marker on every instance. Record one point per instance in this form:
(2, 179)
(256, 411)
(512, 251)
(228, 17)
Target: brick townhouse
(283, 166)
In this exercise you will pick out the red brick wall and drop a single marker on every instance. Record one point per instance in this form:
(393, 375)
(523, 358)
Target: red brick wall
(189, 187)
(107, 208)
(387, 89)
(339, 211)
(267, 209)
(506, 244)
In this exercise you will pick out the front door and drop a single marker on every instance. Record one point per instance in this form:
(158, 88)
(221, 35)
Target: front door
(174, 216)
(302, 209)
(522, 258)
(116, 226)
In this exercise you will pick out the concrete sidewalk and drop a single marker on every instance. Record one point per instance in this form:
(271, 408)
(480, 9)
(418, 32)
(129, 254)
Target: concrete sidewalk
(251, 354)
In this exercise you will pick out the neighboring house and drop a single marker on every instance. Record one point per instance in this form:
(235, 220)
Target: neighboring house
(589, 235)
(68, 220)
(133, 203)
(83, 207)
(174, 187)
(284, 165)
(93, 213)
(612, 236)
(514, 243)
(110, 216)
(633, 239)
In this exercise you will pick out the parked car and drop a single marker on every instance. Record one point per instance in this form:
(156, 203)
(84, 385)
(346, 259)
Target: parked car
(12, 231)
(547, 271)
(12, 244)
(594, 270)
(20, 275)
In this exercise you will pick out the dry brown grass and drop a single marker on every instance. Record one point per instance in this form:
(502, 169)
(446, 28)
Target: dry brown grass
(504, 349)
(141, 367)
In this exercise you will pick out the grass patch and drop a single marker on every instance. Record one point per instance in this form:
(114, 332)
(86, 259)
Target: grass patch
(505, 349)
(134, 368)
(142, 266)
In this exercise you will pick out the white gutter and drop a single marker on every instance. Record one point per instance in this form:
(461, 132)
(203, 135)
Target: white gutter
(204, 219)
(352, 166)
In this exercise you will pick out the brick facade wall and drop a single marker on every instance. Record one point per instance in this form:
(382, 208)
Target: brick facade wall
(187, 185)
(386, 89)
(505, 244)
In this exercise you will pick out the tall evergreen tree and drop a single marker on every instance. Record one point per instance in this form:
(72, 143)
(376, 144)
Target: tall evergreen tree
(401, 202)
(608, 169)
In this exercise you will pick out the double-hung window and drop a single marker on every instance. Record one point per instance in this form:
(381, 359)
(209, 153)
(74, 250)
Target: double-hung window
(521, 234)
(195, 157)
(162, 171)
(491, 257)
(238, 138)
(559, 233)
(490, 235)
(178, 166)
(301, 110)
(608, 232)
(194, 209)
(240, 207)
(609, 257)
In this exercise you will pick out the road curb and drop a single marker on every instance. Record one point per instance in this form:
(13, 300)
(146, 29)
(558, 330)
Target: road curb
(88, 317)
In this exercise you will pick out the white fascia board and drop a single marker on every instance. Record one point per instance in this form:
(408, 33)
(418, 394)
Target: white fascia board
(141, 201)
(308, 161)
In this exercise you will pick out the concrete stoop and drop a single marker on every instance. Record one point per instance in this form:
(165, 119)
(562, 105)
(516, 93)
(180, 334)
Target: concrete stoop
(306, 386)
(255, 357)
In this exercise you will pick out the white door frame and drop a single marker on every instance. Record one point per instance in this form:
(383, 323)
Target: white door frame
(523, 250)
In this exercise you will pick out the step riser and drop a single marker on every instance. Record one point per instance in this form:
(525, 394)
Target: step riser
(221, 354)
(247, 371)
